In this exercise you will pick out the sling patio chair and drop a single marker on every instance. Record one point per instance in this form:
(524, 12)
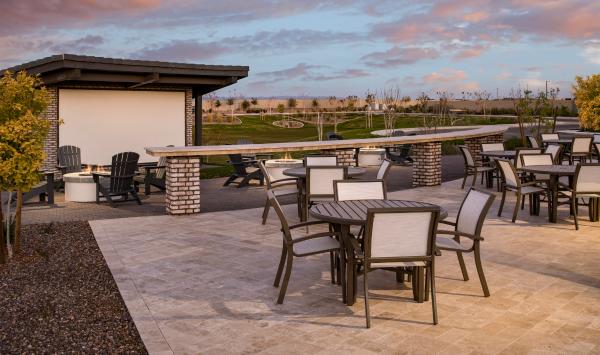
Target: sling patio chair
(549, 137)
(399, 237)
(468, 224)
(533, 142)
(555, 151)
(320, 160)
(319, 184)
(519, 151)
(471, 168)
(581, 150)
(245, 170)
(586, 184)
(384, 169)
(279, 188)
(345, 190)
(120, 181)
(537, 159)
(512, 182)
(301, 245)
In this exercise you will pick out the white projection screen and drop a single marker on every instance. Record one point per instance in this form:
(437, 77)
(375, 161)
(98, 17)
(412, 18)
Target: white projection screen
(106, 122)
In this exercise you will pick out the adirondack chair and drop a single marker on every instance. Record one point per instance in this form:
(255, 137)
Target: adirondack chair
(44, 189)
(120, 181)
(155, 176)
(69, 159)
(245, 170)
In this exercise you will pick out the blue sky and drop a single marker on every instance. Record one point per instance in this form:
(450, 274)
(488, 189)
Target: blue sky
(326, 47)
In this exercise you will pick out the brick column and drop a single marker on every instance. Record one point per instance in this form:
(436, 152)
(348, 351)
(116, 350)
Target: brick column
(474, 144)
(345, 156)
(427, 164)
(183, 185)
(51, 142)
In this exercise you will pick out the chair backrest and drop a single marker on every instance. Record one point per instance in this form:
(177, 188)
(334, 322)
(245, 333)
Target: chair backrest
(384, 169)
(320, 160)
(536, 159)
(549, 136)
(345, 190)
(554, 151)
(269, 179)
(597, 149)
(587, 178)
(319, 180)
(69, 157)
(596, 138)
(533, 142)
(160, 172)
(238, 163)
(467, 156)
(472, 211)
(400, 234)
(520, 151)
(491, 147)
(509, 173)
(581, 144)
(287, 236)
(122, 171)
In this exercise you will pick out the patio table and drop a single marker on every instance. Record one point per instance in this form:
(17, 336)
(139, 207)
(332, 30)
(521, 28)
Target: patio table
(510, 154)
(555, 172)
(344, 214)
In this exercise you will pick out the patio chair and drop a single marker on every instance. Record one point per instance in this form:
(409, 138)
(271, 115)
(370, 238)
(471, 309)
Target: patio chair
(398, 237)
(537, 159)
(468, 224)
(549, 137)
(69, 159)
(533, 142)
(299, 246)
(280, 187)
(320, 160)
(245, 170)
(120, 181)
(512, 182)
(345, 190)
(597, 145)
(319, 184)
(43, 189)
(155, 176)
(384, 169)
(248, 156)
(490, 147)
(586, 183)
(555, 151)
(471, 168)
(581, 150)
(400, 154)
(332, 136)
(519, 151)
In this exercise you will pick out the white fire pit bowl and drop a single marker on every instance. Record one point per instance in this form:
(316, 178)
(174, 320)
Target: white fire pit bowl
(79, 187)
(371, 156)
(275, 167)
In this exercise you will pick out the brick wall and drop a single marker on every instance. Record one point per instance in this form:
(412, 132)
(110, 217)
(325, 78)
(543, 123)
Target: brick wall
(183, 185)
(427, 164)
(51, 143)
(474, 144)
(189, 118)
(346, 157)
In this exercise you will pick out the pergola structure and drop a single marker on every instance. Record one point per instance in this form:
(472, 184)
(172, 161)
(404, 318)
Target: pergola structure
(145, 84)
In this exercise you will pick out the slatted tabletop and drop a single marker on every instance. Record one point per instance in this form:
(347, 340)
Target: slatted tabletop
(558, 170)
(301, 172)
(355, 212)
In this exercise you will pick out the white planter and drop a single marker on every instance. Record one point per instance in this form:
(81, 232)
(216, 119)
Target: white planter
(275, 167)
(371, 156)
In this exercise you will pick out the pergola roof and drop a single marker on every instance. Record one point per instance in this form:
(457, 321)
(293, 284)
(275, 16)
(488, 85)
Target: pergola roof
(70, 69)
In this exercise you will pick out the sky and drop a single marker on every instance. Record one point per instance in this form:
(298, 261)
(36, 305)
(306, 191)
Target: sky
(326, 47)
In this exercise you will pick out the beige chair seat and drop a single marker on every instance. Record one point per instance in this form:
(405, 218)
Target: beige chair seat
(283, 192)
(315, 245)
(449, 244)
(568, 193)
(527, 189)
(397, 264)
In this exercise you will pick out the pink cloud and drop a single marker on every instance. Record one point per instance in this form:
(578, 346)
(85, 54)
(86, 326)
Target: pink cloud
(396, 56)
(445, 76)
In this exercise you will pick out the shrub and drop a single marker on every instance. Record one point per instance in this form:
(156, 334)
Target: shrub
(587, 99)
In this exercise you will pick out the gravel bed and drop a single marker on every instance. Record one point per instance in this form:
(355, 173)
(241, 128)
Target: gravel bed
(58, 296)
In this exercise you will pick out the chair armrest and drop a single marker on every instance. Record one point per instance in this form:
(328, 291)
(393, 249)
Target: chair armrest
(285, 179)
(304, 224)
(316, 235)
(567, 187)
(459, 234)
(448, 223)
(154, 167)
(531, 183)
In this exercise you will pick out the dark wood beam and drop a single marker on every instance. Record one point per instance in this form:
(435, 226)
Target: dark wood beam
(149, 79)
(60, 76)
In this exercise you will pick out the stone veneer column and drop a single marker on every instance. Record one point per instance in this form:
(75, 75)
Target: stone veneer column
(51, 142)
(346, 157)
(427, 164)
(474, 144)
(183, 185)
(189, 118)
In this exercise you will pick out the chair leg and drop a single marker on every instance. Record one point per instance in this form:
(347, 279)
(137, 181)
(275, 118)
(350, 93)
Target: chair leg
(266, 212)
(332, 266)
(286, 277)
(366, 290)
(399, 275)
(280, 267)
(502, 202)
(463, 267)
(484, 286)
(135, 196)
(574, 208)
(433, 300)
(516, 211)
(523, 203)
(474, 178)
(464, 180)
(427, 276)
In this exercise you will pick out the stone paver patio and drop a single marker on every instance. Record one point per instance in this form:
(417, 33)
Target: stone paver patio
(203, 284)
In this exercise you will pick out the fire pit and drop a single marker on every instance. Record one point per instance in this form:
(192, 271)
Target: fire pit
(371, 156)
(277, 166)
(79, 187)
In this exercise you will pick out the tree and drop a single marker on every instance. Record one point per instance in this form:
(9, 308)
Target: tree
(292, 102)
(22, 135)
(370, 100)
(281, 108)
(522, 100)
(332, 102)
(587, 99)
(245, 105)
(391, 99)
(553, 98)
(254, 101)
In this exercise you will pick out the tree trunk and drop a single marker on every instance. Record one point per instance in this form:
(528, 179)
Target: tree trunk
(3, 251)
(17, 244)
(522, 131)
